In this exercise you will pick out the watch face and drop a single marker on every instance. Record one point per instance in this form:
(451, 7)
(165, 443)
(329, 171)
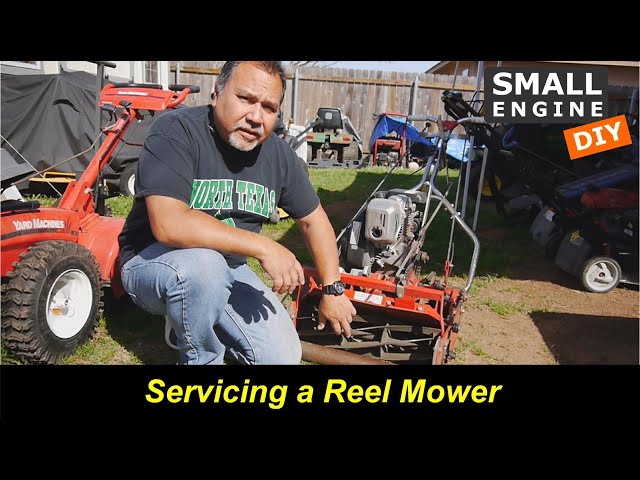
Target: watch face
(339, 287)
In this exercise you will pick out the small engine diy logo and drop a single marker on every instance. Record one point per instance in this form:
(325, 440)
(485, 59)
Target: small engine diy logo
(597, 137)
(545, 94)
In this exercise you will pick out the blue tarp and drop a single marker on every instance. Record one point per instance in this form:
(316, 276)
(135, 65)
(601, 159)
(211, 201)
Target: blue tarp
(455, 147)
(609, 178)
(387, 124)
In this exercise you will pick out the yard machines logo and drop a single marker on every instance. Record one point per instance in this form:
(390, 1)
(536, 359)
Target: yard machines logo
(37, 223)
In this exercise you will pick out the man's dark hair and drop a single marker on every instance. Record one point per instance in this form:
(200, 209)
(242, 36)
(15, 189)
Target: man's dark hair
(269, 67)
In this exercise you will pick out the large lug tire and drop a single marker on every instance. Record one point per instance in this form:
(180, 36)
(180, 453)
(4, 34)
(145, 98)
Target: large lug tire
(600, 274)
(50, 303)
(312, 152)
(128, 180)
(351, 153)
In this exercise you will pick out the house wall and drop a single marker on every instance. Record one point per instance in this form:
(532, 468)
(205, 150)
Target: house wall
(125, 71)
(620, 73)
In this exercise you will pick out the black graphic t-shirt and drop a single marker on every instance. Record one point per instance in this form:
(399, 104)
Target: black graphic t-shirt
(184, 158)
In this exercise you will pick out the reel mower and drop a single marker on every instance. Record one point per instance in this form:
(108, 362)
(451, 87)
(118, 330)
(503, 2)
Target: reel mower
(403, 316)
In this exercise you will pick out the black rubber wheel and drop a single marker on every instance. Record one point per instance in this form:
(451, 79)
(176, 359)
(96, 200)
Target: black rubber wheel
(50, 302)
(600, 274)
(312, 152)
(351, 153)
(128, 180)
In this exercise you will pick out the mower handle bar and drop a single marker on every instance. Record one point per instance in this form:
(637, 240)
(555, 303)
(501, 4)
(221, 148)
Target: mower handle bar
(430, 175)
(480, 120)
(137, 85)
(298, 139)
(173, 87)
(186, 90)
(422, 118)
(106, 64)
(176, 98)
(467, 229)
(178, 87)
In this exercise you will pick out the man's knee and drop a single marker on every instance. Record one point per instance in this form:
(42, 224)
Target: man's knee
(295, 354)
(288, 353)
(204, 268)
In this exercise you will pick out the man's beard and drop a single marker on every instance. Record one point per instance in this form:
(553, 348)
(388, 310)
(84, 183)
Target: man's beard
(239, 143)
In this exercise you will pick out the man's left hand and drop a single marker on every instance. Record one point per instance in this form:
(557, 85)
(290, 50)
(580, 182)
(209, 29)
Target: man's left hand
(338, 311)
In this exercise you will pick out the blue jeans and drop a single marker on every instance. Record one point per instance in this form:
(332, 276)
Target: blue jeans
(213, 309)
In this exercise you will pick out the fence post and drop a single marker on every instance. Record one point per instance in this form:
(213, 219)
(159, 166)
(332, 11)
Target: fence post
(478, 85)
(294, 98)
(414, 97)
(177, 81)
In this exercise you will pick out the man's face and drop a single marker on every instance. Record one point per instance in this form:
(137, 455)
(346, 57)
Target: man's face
(247, 109)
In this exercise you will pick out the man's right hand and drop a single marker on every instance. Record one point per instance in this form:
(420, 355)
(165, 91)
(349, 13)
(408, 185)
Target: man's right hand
(283, 268)
(173, 223)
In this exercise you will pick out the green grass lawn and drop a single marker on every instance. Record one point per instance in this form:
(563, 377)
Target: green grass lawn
(128, 335)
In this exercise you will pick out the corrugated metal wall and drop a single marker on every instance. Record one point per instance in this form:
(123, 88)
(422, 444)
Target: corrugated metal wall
(358, 93)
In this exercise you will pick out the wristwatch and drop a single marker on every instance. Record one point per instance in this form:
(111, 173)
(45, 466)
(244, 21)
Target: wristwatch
(336, 288)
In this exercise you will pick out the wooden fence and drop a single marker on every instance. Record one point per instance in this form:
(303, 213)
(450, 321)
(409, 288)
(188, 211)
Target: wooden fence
(360, 94)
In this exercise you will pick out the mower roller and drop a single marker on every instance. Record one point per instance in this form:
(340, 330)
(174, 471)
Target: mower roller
(403, 317)
(56, 261)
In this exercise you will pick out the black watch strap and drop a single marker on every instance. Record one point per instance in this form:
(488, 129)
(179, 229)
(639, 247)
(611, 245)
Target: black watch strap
(336, 288)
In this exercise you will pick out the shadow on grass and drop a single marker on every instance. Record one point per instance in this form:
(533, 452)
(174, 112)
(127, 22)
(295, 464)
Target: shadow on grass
(139, 332)
(589, 339)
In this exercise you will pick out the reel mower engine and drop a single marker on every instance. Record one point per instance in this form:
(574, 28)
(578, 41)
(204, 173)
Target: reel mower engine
(381, 238)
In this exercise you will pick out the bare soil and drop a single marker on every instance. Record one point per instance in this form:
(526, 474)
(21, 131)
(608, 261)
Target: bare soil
(545, 317)
(540, 315)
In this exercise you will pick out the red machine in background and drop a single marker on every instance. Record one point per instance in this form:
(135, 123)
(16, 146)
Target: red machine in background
(395, 140)
(57, 260)
(390, 147)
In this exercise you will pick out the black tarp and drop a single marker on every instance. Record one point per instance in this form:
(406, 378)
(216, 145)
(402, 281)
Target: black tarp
(49, 118)
(11, 169)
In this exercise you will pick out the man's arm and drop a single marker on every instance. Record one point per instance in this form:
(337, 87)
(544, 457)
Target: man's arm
(174, 224)
(321, 242)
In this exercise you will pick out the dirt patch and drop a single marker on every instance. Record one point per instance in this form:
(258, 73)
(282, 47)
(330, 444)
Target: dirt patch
(343, 210)
(493, 235)
(548, 319)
